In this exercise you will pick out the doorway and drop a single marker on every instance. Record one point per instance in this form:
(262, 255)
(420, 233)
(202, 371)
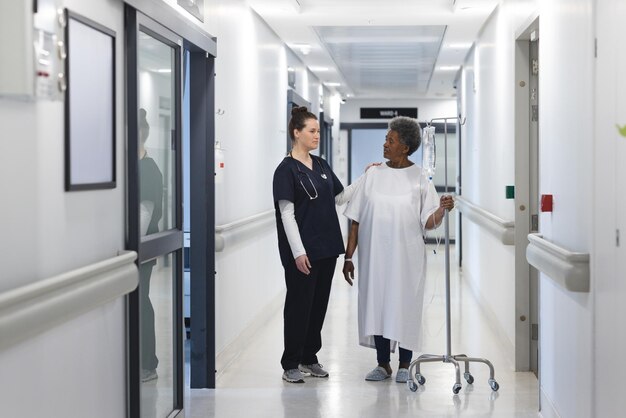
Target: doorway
(295, 100)
(326, 138)
(157, 57)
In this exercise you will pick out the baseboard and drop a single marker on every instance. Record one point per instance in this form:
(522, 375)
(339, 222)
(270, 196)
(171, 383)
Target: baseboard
(233, 350)
(546, 407)
(500, 334)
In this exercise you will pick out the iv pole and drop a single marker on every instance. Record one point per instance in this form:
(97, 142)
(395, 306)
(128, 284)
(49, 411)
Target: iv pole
(448, 357)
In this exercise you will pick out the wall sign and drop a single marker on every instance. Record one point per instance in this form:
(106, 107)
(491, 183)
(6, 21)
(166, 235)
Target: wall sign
(89, 105)
(388, 112)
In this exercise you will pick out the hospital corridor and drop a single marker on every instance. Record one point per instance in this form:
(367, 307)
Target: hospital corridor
(247, 389)
(312, 208)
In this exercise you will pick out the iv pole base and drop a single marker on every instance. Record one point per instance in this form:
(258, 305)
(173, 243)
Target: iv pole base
(414, 370)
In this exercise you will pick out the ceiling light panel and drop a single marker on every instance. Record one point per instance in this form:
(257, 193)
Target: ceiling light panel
(379, 60)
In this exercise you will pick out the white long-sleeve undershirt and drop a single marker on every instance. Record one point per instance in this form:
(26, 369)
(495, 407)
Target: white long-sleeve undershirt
(288, 216)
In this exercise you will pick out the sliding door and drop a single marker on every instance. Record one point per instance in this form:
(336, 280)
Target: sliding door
(155, 216)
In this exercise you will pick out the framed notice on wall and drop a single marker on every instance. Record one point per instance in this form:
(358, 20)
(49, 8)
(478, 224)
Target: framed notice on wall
(89, 105)
(195, 7)
(388, 112)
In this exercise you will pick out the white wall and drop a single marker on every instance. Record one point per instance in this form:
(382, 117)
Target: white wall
(47, 231)
(608, 260)
(488, 166)
(566, 97)
(566, 59)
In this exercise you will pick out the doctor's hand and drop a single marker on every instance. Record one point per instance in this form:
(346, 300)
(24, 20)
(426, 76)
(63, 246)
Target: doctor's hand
(372, 165)
(348, 271)
(303, 264)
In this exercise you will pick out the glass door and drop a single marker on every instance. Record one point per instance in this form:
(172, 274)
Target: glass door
(155, 216)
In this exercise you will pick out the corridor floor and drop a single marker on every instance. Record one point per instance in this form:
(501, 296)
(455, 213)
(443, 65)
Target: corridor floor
(252, 387)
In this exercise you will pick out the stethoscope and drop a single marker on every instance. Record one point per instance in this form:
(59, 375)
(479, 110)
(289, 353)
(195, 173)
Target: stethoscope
(300, 172)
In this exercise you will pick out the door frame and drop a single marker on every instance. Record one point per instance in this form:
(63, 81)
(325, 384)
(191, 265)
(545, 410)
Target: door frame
(202, 214)
(522, 112)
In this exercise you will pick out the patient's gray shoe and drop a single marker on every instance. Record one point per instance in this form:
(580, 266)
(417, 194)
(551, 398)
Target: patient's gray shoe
(402, 375)
(378, 374)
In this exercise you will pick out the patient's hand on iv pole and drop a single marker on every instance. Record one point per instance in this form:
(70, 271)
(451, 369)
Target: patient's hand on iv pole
(303, 264)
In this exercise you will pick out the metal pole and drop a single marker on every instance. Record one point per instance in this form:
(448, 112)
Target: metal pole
(445, 147)
(447, 263)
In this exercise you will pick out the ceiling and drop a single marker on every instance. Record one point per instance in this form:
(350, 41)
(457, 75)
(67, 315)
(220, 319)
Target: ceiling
(376, 49)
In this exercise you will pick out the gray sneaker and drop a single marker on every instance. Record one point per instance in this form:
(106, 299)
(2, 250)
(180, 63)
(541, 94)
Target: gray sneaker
(293, 376)
(315, 370)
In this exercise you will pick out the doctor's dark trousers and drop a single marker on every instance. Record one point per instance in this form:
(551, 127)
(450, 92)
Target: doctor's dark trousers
(305, 309)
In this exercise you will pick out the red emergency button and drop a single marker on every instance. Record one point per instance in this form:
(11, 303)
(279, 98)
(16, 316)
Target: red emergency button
(546, 203)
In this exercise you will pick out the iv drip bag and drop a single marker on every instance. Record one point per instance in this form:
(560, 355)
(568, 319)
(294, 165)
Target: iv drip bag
(428, 151)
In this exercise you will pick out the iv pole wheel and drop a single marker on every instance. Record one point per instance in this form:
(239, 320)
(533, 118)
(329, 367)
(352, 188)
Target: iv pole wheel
(411, 385)
(469, 378)
(494, 385)
(420, 379)
(456, 388)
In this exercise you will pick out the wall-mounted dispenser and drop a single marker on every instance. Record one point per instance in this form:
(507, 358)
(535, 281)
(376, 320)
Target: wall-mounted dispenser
(32, 49)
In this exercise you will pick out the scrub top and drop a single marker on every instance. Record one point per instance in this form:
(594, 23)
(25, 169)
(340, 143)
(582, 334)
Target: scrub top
(314, 201)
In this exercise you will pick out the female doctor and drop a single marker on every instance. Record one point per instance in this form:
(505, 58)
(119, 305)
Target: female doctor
(309, 241)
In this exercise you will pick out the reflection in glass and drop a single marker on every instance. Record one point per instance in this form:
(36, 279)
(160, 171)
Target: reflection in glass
(156, 62)
(156, 292)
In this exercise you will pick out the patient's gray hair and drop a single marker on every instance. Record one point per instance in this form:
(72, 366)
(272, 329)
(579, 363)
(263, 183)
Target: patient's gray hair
(408, 130)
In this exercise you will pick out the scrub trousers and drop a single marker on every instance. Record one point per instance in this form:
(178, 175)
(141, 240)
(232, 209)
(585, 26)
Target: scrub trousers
(305, 310)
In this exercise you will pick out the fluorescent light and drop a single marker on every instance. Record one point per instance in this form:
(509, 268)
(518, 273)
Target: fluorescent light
(449, 67)
(163, 70)
(304, 48)
(319, 69)
(332, 84)
(459, 45)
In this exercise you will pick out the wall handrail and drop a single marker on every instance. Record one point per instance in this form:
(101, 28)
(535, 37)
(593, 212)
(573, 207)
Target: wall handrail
(500, 228)
(225, 229)
(241, 222)
(36, 307)
(568, 269)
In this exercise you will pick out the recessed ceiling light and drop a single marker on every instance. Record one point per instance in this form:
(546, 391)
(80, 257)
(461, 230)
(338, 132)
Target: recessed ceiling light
(449, 67)
(332, 84)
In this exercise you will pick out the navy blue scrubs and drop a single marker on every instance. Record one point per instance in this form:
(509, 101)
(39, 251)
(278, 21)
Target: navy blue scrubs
(307, 297)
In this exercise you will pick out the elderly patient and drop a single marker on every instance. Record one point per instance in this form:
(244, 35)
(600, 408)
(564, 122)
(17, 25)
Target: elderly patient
(393, 206)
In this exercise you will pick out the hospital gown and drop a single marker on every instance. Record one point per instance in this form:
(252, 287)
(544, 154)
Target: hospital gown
(392, 206)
